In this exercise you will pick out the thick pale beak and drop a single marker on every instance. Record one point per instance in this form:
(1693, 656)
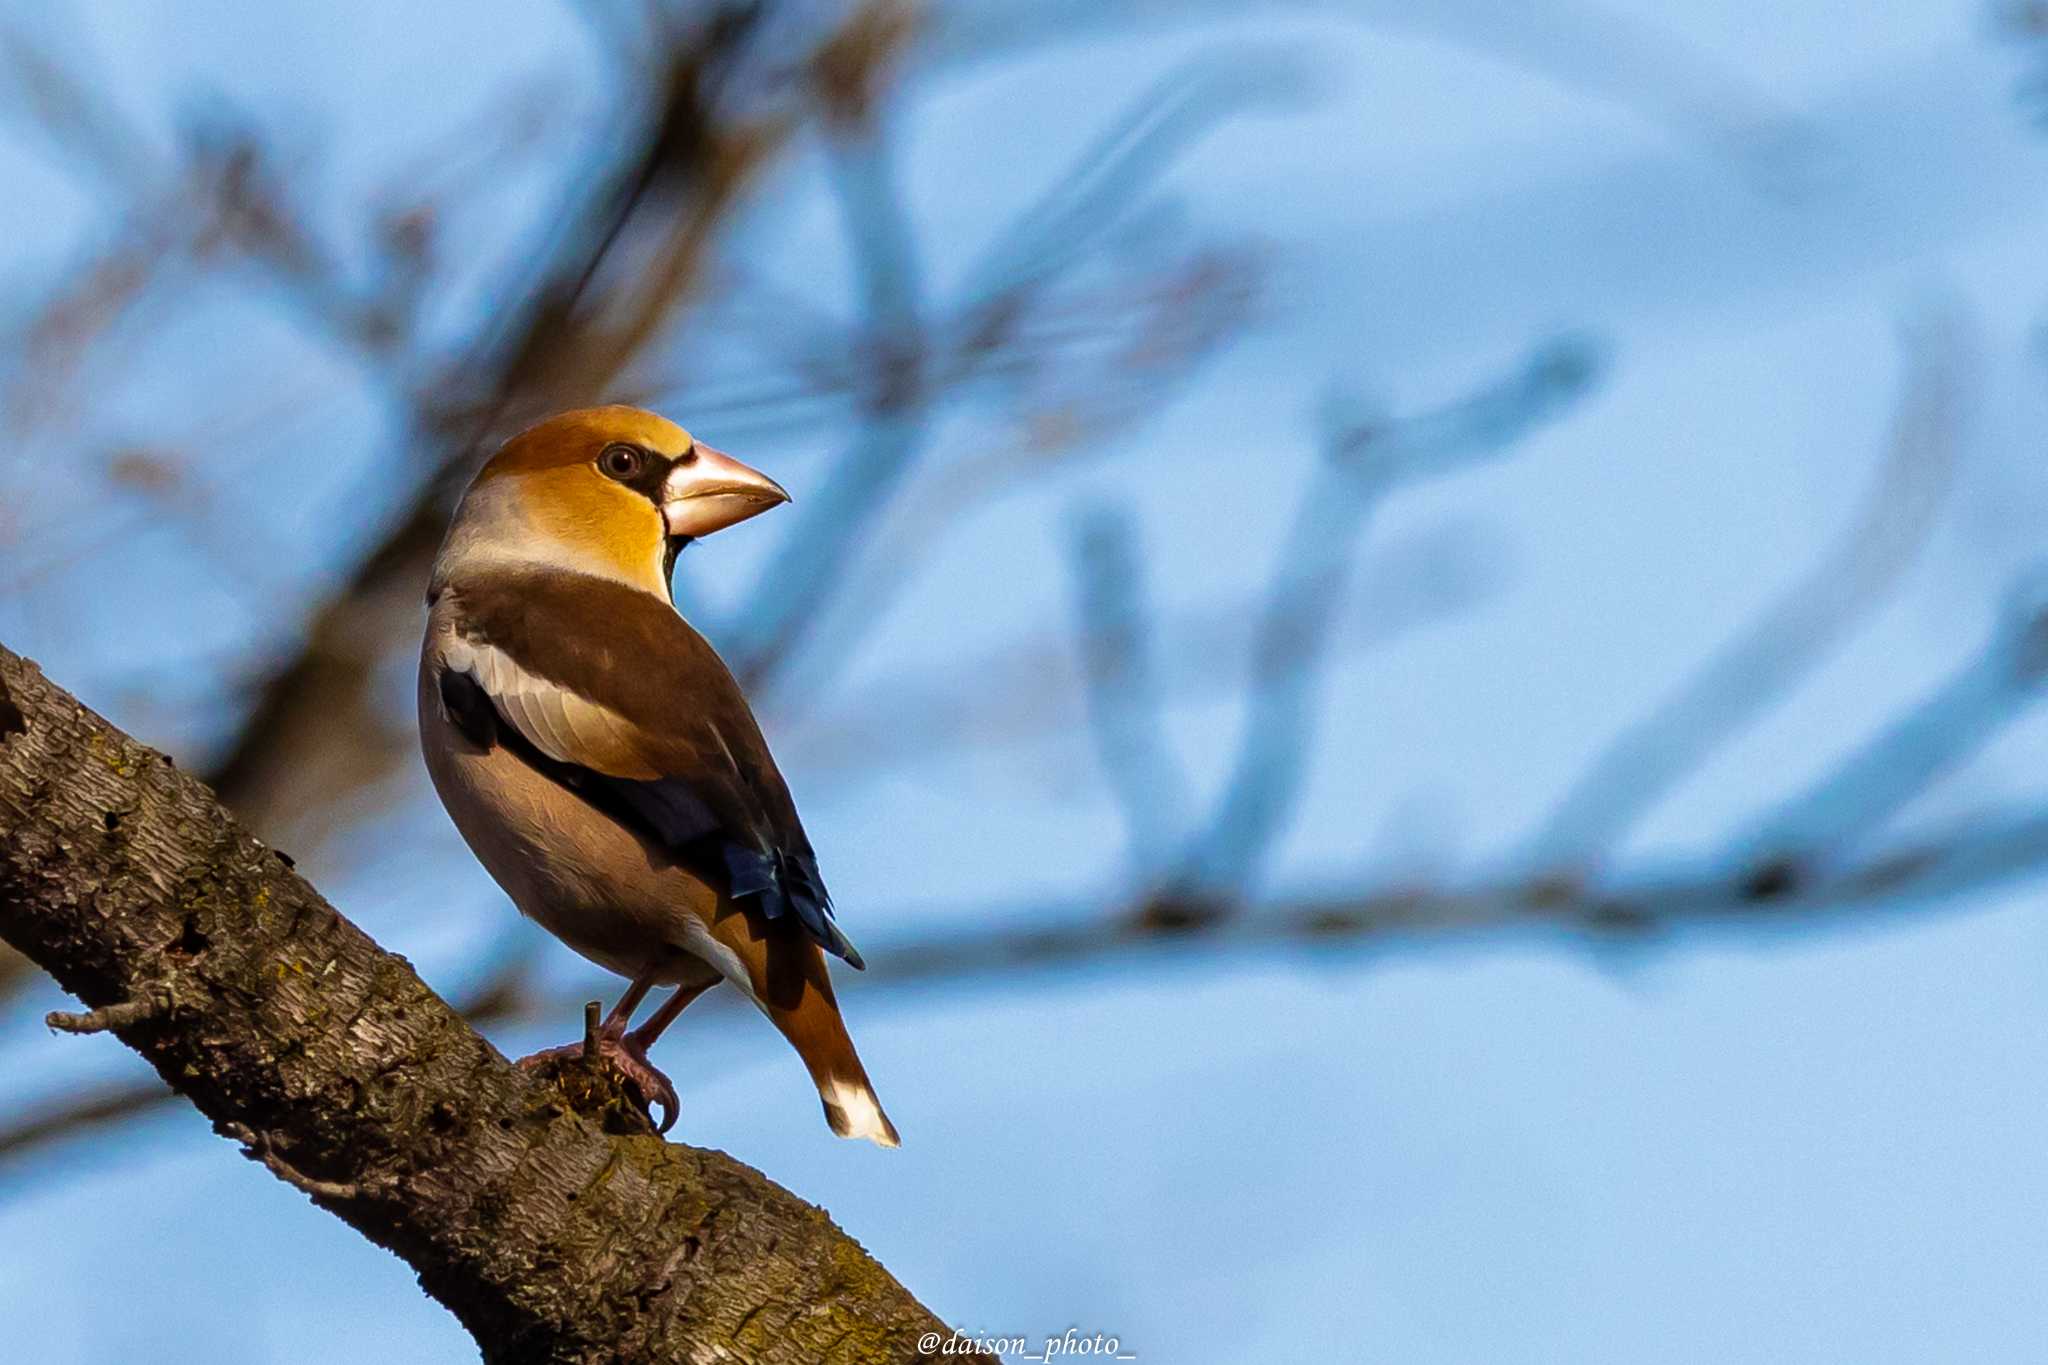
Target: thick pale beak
(715, 491)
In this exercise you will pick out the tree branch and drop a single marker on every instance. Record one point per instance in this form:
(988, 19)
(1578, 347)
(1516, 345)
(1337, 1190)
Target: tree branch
(556, 1226)
(1762, 663)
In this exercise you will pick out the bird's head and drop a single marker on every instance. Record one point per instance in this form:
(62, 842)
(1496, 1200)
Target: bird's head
(613, 491)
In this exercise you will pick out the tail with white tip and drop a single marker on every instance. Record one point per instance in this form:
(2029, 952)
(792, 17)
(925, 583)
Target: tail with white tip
(785, 974)
(818, 1034)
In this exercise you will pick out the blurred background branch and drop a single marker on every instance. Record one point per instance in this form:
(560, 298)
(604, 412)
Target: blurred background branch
(1796, 634)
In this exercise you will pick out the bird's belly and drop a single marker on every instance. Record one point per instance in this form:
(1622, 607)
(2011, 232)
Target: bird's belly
(580, 875)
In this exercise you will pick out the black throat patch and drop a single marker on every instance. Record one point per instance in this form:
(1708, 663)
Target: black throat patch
(649, 483)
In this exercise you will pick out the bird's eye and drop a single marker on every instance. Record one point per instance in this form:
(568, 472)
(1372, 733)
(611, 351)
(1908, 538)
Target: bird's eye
(619, 462)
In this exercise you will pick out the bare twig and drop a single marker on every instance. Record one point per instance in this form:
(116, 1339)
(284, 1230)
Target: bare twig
(1124, 700)
(260, 1147)
(1825, 822)
(893, 404)
(107, 1017)
(1912, 878)
(1034, 688)
(1767, 659)
(1122, 164)
(1589, 47)
(1364, 460)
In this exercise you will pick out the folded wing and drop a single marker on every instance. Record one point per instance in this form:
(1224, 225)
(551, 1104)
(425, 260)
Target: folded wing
(647, 723)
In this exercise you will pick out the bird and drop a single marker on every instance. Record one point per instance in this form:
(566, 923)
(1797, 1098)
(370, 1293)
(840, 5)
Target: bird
(600, 759)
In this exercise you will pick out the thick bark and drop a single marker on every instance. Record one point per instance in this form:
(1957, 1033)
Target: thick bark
(547, 1217)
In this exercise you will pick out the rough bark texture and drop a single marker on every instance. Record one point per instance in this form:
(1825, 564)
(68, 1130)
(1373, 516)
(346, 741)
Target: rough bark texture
(546, 1217)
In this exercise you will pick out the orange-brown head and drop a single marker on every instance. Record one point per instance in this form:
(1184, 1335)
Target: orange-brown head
(613, 491)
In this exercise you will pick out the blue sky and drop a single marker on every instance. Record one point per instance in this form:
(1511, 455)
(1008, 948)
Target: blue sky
(1728, 1146)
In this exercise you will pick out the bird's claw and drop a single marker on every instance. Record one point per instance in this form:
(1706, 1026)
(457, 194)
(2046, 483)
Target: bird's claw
(627, 1056)
(645, 1077)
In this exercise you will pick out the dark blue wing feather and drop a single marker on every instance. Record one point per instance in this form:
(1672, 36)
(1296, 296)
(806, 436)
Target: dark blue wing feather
(671, 809)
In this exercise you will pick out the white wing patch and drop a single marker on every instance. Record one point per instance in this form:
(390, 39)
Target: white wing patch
(562, 724)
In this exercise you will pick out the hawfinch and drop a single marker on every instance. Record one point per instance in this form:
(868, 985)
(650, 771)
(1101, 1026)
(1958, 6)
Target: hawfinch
(598, 756)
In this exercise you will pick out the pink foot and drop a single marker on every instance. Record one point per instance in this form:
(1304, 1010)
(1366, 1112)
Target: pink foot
(627, 1056)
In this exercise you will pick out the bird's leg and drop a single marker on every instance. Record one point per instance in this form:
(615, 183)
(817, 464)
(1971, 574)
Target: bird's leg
(644, 1036)
(611, 1030)
(626, 1053)
(614, 1024)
